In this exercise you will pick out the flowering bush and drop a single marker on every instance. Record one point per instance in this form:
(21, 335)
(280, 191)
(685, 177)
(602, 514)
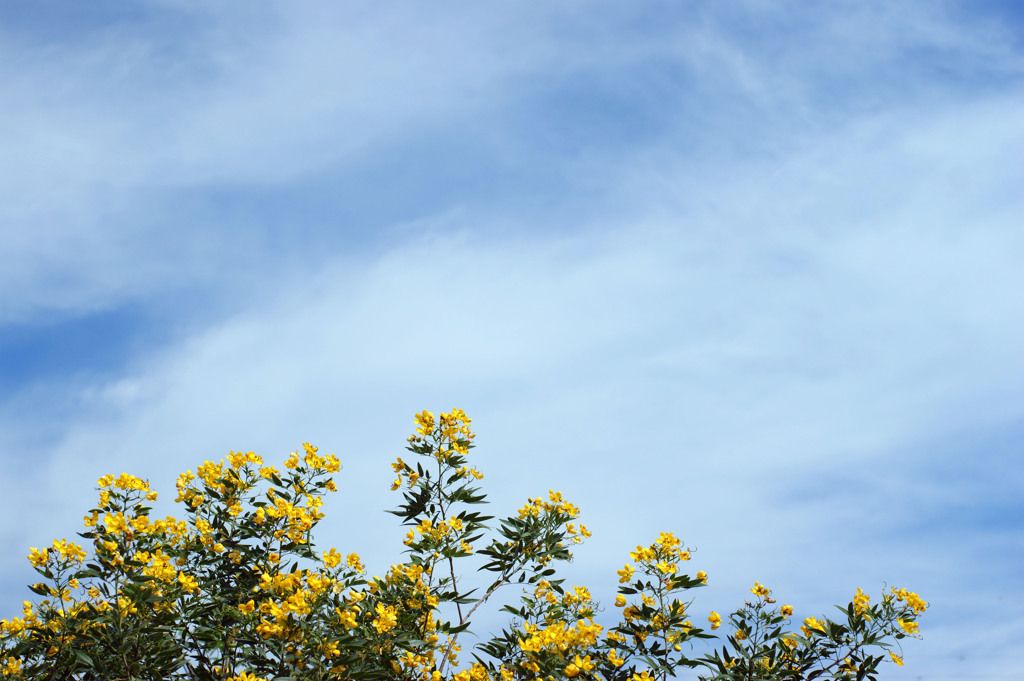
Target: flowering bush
(237, 592)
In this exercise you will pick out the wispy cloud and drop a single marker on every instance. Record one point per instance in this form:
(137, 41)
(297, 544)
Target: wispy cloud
(750, 274)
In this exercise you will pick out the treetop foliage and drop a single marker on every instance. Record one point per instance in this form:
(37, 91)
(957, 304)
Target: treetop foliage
(237, 591)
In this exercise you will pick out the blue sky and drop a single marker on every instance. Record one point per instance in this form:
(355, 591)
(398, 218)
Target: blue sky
(748, 271)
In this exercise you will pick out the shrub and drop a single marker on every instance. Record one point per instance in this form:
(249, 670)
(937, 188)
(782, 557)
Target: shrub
(237, 591)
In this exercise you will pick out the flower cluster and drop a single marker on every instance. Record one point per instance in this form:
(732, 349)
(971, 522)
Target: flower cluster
(762, 646)
(235, 590)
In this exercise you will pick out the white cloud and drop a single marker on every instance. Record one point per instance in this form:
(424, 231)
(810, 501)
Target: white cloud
(91, 156)
(101, 133)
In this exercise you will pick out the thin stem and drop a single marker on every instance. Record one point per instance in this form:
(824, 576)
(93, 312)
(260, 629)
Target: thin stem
(451, 642)
(451, 563)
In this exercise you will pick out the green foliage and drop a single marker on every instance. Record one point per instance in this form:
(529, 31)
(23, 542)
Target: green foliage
(236, 591)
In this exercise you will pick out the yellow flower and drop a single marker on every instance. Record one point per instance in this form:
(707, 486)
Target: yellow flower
(125, 481)
(331, 463)
(347, 618)
(116, 523)
(760, 590)
(584, 664)
(620, 601)
(702, 576)
(69, 550)
(246, 676)
(908, 627)
(642, 555)
(912, 599)
(386, 618)
(125, 606)
(786, 611)
(424, 422)
(812, 626)
(715, 619)
(896, 658)
(247, 608)
(38, 558)
(188, 583)
(332, 558)
(625, 574)
(12, 667)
